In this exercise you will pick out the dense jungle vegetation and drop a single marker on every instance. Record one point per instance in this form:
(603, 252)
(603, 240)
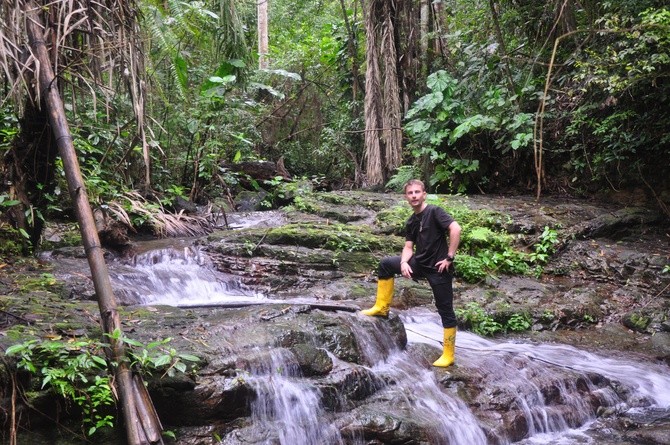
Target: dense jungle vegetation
(170, 104)
(174, 100)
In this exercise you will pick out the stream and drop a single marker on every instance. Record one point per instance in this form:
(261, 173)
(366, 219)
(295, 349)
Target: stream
(288, 408)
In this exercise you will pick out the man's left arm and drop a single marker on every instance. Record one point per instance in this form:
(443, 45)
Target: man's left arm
(454, 241)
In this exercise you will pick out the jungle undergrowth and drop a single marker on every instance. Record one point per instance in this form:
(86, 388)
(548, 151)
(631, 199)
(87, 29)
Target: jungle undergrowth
(76, 372)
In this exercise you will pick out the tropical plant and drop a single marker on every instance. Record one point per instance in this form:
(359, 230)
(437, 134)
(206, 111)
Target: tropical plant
(77, 371)
(476, 319)
(73, 370)
(447, 127)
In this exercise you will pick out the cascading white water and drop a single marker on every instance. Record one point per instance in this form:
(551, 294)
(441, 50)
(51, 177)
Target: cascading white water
(415, 389)
(523, 365)
(177, 277)
(287, 410)
(418, 394)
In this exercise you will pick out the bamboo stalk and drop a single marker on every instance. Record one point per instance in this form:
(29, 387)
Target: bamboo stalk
(111, 323)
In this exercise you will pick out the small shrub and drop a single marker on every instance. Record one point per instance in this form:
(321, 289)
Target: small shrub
(478, 320)
(77, 371)
(158, 358)
(545, 247)
(519, 322)
(73, 370)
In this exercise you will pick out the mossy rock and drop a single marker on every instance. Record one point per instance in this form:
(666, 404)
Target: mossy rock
(637, 321)
(334, 237)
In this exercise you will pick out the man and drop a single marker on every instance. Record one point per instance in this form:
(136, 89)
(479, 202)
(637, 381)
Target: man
(426, 254)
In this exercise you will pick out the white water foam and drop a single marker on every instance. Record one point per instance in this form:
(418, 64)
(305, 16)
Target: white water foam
(519, 365)
(178, 277)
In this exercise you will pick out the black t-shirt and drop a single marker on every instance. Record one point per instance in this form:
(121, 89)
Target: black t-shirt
(428, 231)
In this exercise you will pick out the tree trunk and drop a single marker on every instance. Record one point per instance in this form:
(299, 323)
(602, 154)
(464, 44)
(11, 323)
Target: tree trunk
(503, 47)
(262, 7)
(30, 172)
(139, 430)
(409, 57)
(383, 114)
(425, 28)
(373, 99)
(440, 28)
(352, 49)
(392, 115)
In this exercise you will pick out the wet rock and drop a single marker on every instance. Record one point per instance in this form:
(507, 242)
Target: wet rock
(312, 361)
(380, 427)
(659, 435)
(660, 341)
(211, 399)
(346, 386)
(247, 201)
(637, 321)
(608, 269)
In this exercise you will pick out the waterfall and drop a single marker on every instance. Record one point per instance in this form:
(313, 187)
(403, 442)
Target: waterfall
(557, 390)
(415, 389)
(526, 368)
(176, 277)
(419, 395)
(287, 409)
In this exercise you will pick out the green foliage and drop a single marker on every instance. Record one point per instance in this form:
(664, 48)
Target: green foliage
(10, 241)
(445, 124)
(42, 282)
(316, 126)
(158, 358)
(519, 322)
(616, 131)
(547, 316)
(6, 202)
(471, 269)
(545, 246)
(639, 321)
(347, 241)
(75, 371)
(403, 174)
(485, 249)
(9, 127)
(475, 318)
(478, 320)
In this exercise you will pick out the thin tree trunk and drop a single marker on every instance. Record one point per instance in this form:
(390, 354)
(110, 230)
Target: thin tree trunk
(373, 99)
(425, 27)
(391, 116)
(47, 86)
(440, 28)
(263, 40)
(503, 47)
(351, 48)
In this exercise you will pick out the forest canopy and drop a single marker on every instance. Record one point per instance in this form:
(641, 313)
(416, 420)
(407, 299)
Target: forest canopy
(177, 101)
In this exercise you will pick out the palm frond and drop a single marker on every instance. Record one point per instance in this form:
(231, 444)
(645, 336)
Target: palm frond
(161, 222)
(91, 42)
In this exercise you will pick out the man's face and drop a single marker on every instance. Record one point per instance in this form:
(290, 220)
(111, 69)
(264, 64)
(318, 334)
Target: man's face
(415, 196)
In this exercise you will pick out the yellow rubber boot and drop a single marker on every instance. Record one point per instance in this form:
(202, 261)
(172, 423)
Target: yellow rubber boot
(384, 297)
(447, 358)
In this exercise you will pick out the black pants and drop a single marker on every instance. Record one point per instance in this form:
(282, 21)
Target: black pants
(441, 283)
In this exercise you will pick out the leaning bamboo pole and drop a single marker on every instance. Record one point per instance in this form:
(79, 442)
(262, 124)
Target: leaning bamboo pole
(140, 429)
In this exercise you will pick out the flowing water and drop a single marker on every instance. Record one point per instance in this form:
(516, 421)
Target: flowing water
(645, 386)
(177, 277)
(415, 391)
(288, 408)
